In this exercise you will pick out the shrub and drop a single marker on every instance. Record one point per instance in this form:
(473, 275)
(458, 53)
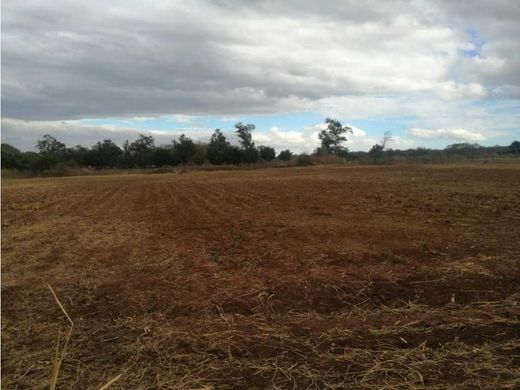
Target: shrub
(304, 160)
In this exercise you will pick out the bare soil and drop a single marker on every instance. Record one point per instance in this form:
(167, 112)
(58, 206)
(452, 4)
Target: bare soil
(329, 277)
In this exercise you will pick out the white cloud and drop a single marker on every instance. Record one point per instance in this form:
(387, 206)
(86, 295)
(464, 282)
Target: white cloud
(294, 137)
(296, 141)
(182, 118)
(357, 132)
(489, 118)
(454, 134)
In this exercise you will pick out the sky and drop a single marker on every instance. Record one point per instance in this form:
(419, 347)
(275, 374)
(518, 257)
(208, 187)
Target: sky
(433, 72)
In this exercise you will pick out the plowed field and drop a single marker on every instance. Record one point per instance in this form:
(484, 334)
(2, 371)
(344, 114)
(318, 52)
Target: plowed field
(323, 277)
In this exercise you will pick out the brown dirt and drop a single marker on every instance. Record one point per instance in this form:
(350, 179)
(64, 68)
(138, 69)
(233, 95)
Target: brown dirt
(320, 277)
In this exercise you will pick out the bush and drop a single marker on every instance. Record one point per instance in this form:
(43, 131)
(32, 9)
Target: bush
(304, 160)
(328, 159)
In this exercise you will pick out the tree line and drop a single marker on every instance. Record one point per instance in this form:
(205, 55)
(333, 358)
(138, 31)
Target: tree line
(144, 153)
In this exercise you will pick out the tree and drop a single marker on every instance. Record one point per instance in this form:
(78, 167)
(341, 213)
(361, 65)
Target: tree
(184, 149)
(333, 136)
(464, 149)
(218, 149)
(377, 149)
(249, 155)
(75, 157)
(142, 144)
(267, 153)
(11, 157)
(200, 155)
(285, 155)
(140, 152)
(463, 146)
(234, 155)
(105, 154)
(387, 137)
(162, 156)
(514, 147)
(50, 145)
(244, 133)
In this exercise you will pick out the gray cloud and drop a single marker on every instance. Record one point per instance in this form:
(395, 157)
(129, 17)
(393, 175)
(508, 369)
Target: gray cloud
(71, 60)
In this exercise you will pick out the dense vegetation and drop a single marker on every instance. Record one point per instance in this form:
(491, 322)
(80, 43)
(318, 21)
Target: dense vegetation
(143, 153)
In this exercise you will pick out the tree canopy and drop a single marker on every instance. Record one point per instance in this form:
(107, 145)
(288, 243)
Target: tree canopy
(333, 136)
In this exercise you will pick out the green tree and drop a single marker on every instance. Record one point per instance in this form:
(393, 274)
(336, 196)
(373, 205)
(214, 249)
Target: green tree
(234, 155)
(200, 155)
(245, 135)
(249, 155)
(267, 153)
(333, 136)
(50, 145)
(105, 154)
(11, 157)
(464, 149)
(78, 155)
(184, 149)
(514, 147)
(163, 155)
(285, 155)
(140, 152)
(218, 149)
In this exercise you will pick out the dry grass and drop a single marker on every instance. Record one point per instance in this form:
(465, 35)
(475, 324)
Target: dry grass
(61, 350)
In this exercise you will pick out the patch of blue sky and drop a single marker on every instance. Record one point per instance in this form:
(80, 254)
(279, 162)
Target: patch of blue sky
(286, 121)
(264, 123)
(376, 127)
(477, 42)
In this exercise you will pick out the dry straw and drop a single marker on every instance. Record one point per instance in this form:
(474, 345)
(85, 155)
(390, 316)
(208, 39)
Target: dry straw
(59, 356)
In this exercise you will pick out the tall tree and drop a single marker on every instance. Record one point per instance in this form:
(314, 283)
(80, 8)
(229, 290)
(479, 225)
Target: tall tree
(184, 149)
(333, 136)
(267, 153)
(218, 148)
(50, 145)
(105, 154)
(141, 151)
(285, 155)
(244, 133)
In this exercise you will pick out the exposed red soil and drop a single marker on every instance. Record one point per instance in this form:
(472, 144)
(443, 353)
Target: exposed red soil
(319, 277)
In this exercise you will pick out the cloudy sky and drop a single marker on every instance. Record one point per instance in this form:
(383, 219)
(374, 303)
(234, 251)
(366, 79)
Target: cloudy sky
(432, 72)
